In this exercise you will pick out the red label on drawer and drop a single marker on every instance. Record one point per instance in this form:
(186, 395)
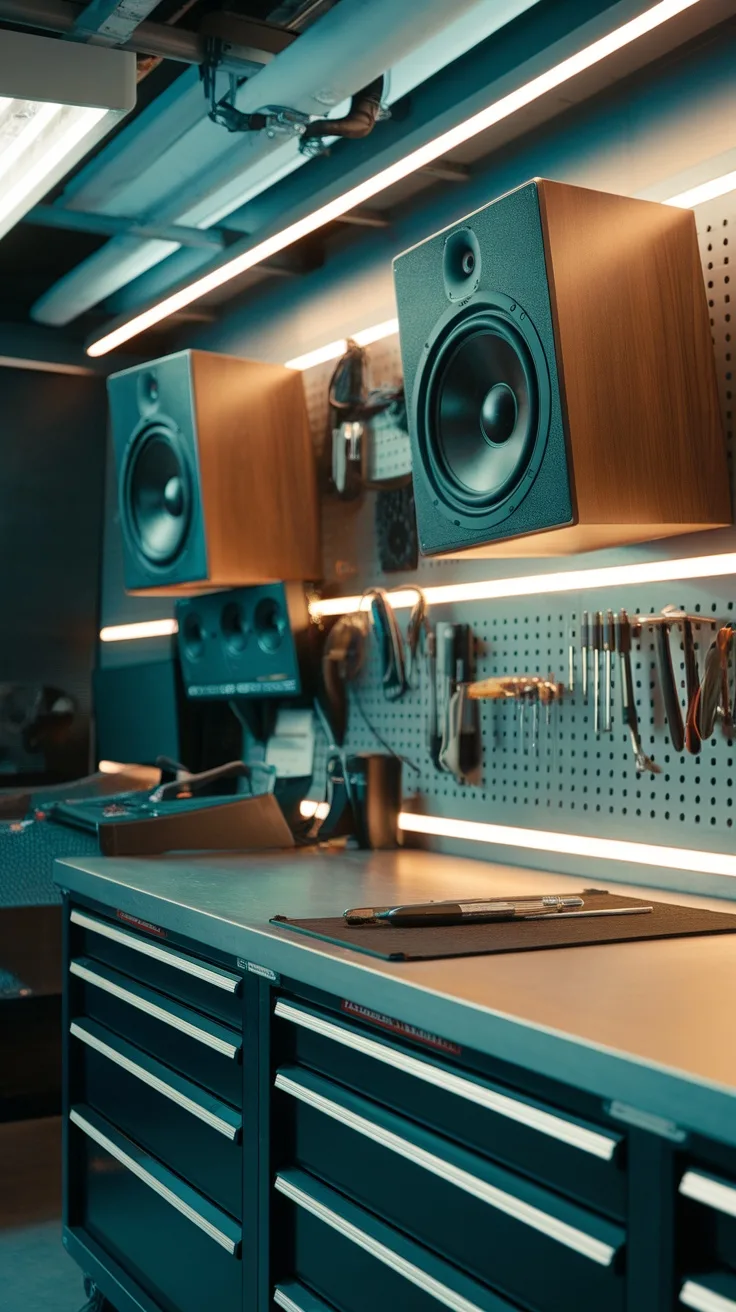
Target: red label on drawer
(141, 924)
(400, 1027)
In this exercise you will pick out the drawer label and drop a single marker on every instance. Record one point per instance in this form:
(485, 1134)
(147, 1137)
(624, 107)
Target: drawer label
(145, 925)
(264, 972)
(400, 1027)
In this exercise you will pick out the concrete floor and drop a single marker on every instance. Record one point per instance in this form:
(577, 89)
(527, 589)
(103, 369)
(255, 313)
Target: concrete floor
(35, 1273)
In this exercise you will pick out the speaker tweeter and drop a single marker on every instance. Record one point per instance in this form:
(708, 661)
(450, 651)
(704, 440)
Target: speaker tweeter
(461, 264)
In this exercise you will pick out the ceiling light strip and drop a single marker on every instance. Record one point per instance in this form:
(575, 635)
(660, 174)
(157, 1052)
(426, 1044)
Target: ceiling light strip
(486, 118)
(704, 191)
(543, 840)
(145, 629)
(528, 585)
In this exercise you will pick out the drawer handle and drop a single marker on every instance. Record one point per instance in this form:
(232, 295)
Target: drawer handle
(226, 1241)
(220, 979)
(705, 1189)
(227, 1049)
(230, 1131)
(435, 1289)
(283, 1298)
(595, 1249)
(594, 1142)
(704, 1300)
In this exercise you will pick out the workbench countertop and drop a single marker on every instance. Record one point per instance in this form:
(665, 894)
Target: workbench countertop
(650, 1024)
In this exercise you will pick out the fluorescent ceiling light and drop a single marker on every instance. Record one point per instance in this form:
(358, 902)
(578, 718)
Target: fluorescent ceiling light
(333, 350)
(38, 145)
(544, 840)
(705, 191)
(417, 159)
(529, 585)
(133, 632)
(58, 99)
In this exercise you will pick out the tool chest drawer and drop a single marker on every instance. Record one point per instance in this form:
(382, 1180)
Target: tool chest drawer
(195, 1134)
(555, 1148)
(353, 1262)
(200, 984)
(181, 1251)
(526, 1242)
(193, 1044)
(706, 1239)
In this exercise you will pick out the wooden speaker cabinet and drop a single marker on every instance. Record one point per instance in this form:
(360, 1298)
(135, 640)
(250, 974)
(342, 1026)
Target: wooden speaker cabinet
(560, 377)
(216, 474)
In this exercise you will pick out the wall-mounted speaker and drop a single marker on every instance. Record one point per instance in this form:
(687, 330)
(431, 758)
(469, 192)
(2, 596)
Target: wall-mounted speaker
(248, 642)
(560, 376)
(216, 476)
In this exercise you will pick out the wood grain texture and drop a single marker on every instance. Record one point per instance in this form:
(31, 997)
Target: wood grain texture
(636, 364)
(259, 487)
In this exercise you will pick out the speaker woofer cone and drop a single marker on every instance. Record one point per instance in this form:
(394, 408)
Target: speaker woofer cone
(270, 624)
(235, 628)
(482, 411)
(193, 635)
(156, 494)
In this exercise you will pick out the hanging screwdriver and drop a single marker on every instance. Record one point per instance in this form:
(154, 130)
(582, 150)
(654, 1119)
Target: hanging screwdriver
(584, 646)
(597, 648)
(609, 647)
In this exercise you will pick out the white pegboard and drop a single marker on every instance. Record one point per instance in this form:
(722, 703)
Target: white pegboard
(574, 780)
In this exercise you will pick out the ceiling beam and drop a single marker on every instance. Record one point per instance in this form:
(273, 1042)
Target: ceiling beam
(29, 346)
(109, 225)
(365, 219)
(446, 171)
(111, 22)
(158, 39)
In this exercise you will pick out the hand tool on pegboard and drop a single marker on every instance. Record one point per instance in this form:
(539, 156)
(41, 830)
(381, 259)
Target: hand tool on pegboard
(628, 695)
(663, 623)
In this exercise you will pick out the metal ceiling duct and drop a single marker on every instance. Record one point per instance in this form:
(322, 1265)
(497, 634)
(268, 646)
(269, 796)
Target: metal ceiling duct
(173, 165)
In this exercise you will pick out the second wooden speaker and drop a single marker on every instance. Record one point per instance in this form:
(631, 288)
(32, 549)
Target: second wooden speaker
(216, 476)
(560, 377)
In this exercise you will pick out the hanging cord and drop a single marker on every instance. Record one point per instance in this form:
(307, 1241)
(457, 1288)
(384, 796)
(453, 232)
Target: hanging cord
(369, 724)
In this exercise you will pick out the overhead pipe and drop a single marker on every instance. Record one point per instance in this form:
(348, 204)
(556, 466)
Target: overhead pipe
(350, 46)
(111, 22)
(359, 121)
(157, 39)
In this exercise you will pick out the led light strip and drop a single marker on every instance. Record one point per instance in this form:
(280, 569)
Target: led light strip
(499, 110)
(145, 629)
(314, 810)
(523, 585)
(543, 840)
(333, 350)
(528, 585)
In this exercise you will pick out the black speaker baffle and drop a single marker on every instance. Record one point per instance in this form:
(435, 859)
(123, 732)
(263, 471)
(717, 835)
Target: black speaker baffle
(156, 495)
(396, 529)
